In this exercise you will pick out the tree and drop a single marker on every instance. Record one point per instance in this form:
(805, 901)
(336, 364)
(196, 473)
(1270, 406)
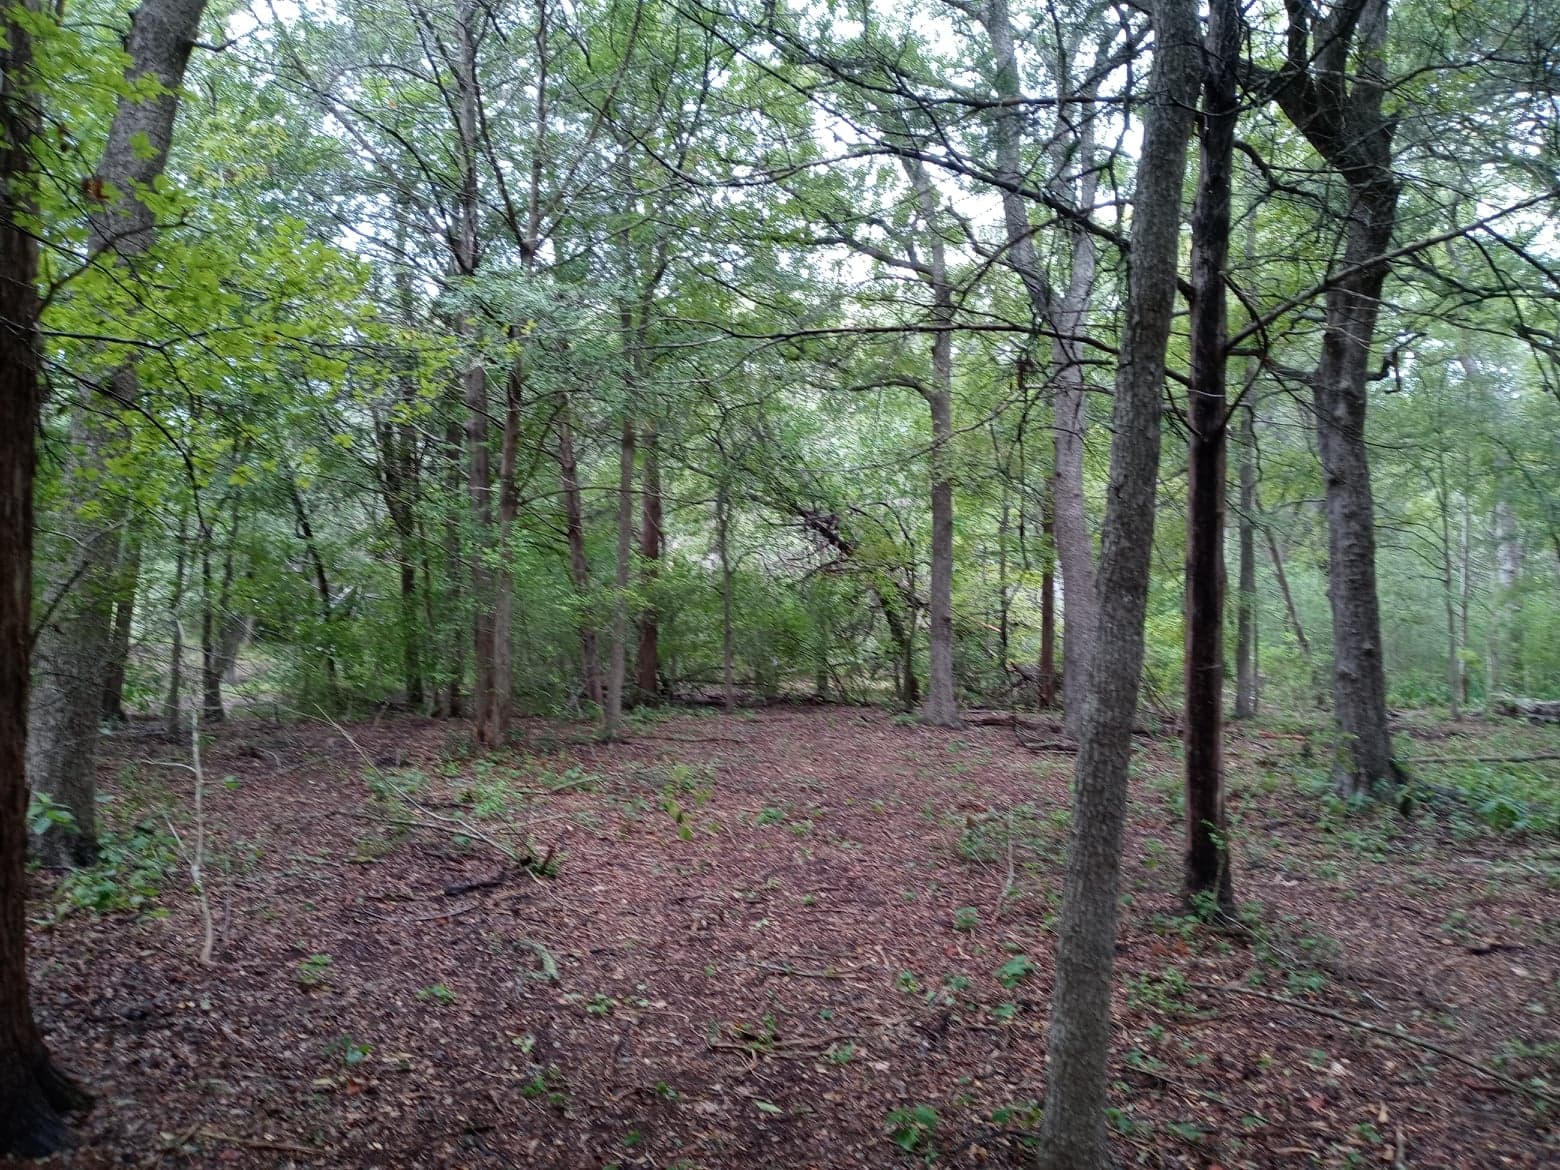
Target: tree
(1207, 865)
(1331, 87)
(86, 575)
(1073, 1133)
(33, 1093)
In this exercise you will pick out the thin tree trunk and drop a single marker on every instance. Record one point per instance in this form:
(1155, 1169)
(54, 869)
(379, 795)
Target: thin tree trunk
(579, 567)
(1073, 1132)
(1246, 698)
(501, 700)
(941, 708)
(1207, 882)
(124, 619)
(612, 720)
(727, 632)
(321, 590)
(33, 1093)
(171, 720)
(648, 661)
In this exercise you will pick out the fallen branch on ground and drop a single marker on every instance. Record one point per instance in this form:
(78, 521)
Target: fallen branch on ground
(1392, 1033)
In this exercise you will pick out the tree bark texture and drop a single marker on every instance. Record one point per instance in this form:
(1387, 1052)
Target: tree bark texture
(941, 708)
(612, 717)
(1246, 697)
(33, 1093)
(579, 567)
(1073, 1133)
(1066, 315)
(1339, 111)
(1207, 881)
(647, 663)
(73, 645)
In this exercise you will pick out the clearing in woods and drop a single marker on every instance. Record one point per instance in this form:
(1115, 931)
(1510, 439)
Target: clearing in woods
(792, 937)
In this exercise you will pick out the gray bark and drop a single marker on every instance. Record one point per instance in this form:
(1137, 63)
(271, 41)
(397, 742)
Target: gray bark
(73, 645)
(617, 657)
(1246, 698)
(941, 708)
(1067, 316)
(1073, 1134)
(1339, 110)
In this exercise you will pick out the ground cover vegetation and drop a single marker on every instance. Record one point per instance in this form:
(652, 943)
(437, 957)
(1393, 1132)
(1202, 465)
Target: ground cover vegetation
(676, 583)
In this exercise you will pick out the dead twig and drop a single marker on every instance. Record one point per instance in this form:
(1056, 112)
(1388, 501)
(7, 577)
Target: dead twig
(1392, 1033)
(256, 1143)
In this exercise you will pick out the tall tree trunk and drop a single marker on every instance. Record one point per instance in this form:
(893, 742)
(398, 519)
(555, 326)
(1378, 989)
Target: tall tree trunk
(33, 1093)
(1066, 315)
(1073, 1132)
(172, 724)
(1246, 697)
(501, 699)
(728, 653)
(648, 661)
(1207, 882)
(1046, 698)
(612, 717)
(1339, 110)
(311, 550)
(74, 643)
(215, 615)
(474, 387)
(941, 708)
(579, 567)
(124, 620)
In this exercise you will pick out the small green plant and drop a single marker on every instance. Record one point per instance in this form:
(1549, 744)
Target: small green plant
(907, 982)
(913, 1129)
(841, 1052)
(966, 919)
(437, 993)
(601, 1004)
(349, 1051)
(771, 815)
(44, 814)
(1015, 971)
(312, 971)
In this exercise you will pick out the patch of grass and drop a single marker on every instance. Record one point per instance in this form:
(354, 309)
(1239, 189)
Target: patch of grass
(913, 1129)
(311, 972)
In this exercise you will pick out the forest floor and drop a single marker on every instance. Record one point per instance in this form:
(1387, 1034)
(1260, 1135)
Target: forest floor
(791, 938)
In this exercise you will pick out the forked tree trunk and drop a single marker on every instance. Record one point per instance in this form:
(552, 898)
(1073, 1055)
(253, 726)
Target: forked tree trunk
(1046, 697)
(1332, 89)
(33, 1093)
(1073, 1134)
(1067, 315)
(1207, 883)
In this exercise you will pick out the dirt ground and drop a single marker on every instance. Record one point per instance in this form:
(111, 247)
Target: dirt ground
(791, 938)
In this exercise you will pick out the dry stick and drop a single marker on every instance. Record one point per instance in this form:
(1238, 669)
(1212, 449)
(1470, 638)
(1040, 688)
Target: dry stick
(1427, 1045)
(197, 863)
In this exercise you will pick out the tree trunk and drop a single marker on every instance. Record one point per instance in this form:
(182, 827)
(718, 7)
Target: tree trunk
(1207, 883)
(73, 645)
(1246, 662)
(171, 720)
(1067, 316)
(942, 708)
(727, 634)
(1339, 111)
(648, 661)
(579, 568)
(501, 699)
(1073, 1132)
(33, 1094)
(321, 590)
(1046, 698)
(124, 619)
(612, 717)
